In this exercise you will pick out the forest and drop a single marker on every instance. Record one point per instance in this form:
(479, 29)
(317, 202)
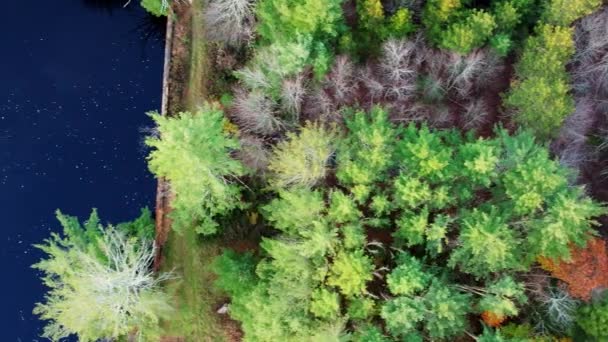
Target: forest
(360, 170)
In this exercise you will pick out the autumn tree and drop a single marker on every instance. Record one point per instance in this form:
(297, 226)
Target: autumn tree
(586, 272)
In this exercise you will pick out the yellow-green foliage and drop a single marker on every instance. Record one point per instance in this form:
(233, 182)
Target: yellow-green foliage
(467, 215)
(374, 27)
(284, 20)
(454, 25)
(192, 152)
(466, 35)
(303, 159)
(437, 13)
(311, 24)
(564, 12)
(325, 303)
(540, 96)
(546, 53)
(350, 273)
(367, 152)
(502, 297)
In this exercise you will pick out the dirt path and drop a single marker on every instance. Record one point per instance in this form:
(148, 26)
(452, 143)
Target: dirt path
(186, 84)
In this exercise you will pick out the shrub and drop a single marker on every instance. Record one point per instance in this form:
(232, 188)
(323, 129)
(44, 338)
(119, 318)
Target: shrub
(236, 272)
(193, 153)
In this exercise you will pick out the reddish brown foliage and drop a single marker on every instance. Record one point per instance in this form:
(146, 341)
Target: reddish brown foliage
(492, 319)
(587, 271)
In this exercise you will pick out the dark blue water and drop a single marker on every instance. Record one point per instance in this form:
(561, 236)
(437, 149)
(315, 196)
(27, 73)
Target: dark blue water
(76, 78)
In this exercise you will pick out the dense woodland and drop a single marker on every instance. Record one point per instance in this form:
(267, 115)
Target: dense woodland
(398, 170)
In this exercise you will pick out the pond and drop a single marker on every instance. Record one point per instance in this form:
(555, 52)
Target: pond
(77, 79)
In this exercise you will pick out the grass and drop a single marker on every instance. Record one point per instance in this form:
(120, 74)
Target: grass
(195, 296)
(199, 63)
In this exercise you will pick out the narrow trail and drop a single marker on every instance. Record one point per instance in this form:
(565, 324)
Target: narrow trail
(186, 84)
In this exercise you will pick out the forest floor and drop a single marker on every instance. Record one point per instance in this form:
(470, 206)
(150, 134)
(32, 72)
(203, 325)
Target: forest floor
(185, 254)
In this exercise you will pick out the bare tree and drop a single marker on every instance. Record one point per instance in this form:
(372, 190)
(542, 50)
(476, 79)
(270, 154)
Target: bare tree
(341, 80)
(256, 113)
(475, 114)
(293, 92)
(230, 21)
(253, 153)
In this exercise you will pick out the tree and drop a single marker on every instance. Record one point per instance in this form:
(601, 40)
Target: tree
(193, 152)
(367, 152)
(455, 25)
(564, 12)
(350, 273)
(230, 21)
(294, 210)
(593, 318)
(156, 7)
(585, 272)
(528, 95)
(303, 159)
(408, 277)
(293, 39)
(325, 304)
(101, 283)
(471, 33)
(373, 242)
(440, 310)
(501, 298)
(487, 245)
(373, 27)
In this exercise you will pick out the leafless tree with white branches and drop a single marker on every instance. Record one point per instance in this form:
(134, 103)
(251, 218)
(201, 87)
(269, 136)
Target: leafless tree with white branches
(230, 21)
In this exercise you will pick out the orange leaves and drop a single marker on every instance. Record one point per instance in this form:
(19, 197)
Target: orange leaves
(586, 271)
(491, 319)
